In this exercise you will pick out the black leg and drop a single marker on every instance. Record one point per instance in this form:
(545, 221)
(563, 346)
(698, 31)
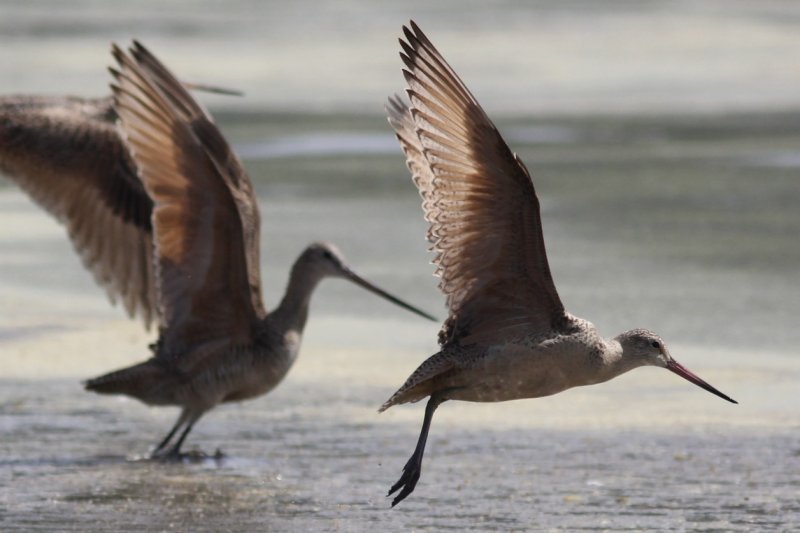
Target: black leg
(413, 468)
(163, 444)
(175, 451)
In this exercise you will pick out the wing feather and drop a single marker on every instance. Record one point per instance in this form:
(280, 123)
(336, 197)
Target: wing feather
(206, 218)
(480, 202)
(66, 155)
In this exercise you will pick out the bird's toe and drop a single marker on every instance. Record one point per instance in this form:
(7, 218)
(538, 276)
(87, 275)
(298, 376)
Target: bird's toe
(407, 482)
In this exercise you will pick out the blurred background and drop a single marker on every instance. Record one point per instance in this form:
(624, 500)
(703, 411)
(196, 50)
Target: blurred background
(664, 142)
(539, 56)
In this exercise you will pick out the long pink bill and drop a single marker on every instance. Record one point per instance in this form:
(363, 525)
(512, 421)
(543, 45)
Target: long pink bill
(686, 374)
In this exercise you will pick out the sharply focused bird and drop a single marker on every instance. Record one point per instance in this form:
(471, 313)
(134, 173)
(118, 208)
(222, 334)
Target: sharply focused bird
(173, 229)
(507, 335)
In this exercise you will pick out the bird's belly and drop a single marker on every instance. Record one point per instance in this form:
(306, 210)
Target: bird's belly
(258, 378)
(236, 376)
(511, 374)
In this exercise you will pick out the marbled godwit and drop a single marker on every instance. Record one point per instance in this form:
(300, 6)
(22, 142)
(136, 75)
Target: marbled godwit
(507, 335)
(194, 212)
(65, 152)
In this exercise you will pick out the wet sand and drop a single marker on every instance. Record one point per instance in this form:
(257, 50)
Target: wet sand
(325, 464)
(693, 226)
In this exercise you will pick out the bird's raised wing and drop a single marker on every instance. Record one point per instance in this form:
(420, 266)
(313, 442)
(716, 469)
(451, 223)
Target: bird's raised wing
(483, 211)
(205, 219)
(66, 154)
(406, 131)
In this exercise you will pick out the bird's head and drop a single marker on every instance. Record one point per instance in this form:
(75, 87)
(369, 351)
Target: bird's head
(324, 260)
(643, 347)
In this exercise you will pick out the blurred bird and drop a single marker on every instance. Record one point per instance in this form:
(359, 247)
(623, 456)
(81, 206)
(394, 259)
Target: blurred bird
(507, 335)
(66, 154)
(173, 229)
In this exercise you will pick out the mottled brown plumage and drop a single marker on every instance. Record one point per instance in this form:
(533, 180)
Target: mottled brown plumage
(217, 343)
(507, 335)
(66, 154)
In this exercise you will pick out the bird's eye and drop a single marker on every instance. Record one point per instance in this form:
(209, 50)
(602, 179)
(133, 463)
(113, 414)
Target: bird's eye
(327, 255)
(656, 344)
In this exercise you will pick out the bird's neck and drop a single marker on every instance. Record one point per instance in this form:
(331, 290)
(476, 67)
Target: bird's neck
(292, 312)
(615, 362)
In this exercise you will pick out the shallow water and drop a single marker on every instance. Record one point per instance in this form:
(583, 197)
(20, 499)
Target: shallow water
(673, 223)
(663, 139)
(325, 464)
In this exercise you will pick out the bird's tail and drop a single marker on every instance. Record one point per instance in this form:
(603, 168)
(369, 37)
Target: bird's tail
(137, 380)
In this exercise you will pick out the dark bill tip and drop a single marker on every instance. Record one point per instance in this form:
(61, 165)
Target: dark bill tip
(358, 280)
(688, 375)
(212, 89)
